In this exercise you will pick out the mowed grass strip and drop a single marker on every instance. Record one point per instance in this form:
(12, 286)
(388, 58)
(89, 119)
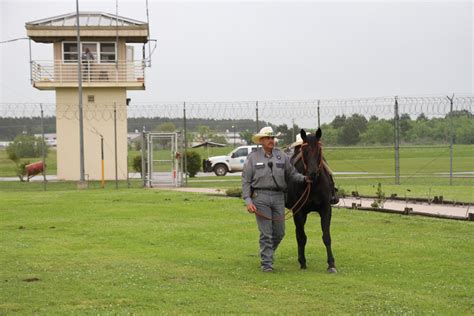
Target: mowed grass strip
(149, 251)
(413, 161)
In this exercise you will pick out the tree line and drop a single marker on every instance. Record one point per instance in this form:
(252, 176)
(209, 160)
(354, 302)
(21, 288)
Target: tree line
(357, 130)
(342, 130)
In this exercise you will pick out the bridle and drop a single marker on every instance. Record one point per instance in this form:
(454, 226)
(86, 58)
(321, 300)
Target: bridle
(305, 164)
(305, 195)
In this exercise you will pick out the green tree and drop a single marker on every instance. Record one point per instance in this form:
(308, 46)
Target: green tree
(26, 146)
(353, 127)
(330, 134)
(464, 130)
(167, 127)
(204, 133)
(246, 136)
(339, 121)
(422, 117)
(378, 132)
(405, 124)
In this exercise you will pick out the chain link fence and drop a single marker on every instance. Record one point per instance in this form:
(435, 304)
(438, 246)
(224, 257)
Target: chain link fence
(309, 114)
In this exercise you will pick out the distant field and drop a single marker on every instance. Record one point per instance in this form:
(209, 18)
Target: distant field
(413, 161)
(423, 171)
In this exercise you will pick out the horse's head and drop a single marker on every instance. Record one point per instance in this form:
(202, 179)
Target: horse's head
(312, 153)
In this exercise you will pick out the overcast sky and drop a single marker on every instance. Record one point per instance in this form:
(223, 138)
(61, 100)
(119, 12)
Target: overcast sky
(225, 51)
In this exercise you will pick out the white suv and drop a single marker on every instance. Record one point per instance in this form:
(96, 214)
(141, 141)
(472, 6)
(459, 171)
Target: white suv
(233, 162)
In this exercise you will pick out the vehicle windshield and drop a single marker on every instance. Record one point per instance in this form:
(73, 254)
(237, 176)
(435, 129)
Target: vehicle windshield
(239, 152)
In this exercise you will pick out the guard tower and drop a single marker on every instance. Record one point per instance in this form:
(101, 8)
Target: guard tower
(108, 71)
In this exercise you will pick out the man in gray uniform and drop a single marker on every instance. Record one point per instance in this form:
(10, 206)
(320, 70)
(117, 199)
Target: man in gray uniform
(263, 185)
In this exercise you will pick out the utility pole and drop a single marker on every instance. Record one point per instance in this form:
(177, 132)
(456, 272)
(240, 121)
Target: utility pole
(79, 85)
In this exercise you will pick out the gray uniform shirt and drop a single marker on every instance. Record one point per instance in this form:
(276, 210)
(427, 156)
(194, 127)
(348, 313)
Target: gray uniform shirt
(258, 175)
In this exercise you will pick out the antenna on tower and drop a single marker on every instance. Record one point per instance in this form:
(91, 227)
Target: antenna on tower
(148, 26)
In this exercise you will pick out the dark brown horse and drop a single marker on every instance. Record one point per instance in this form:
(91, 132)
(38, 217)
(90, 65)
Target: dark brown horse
(308, 160)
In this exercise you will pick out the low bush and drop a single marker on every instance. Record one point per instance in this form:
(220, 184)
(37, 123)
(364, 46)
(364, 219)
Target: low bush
(234, 192)
(193, 163)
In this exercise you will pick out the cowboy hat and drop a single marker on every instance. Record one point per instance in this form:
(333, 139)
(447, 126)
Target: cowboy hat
(264, 132)
(298, 141)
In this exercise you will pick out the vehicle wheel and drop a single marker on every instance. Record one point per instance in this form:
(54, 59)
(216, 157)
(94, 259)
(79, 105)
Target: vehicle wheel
(220, 170)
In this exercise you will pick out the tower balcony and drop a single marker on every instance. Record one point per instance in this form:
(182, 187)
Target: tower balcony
(49, 75)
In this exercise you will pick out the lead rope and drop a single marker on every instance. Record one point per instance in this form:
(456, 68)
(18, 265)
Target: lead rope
(292, 211)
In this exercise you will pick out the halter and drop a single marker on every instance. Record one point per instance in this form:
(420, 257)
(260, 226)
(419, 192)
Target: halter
(320, 166)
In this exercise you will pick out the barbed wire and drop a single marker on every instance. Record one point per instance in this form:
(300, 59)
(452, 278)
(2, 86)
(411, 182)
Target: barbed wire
(272, 110)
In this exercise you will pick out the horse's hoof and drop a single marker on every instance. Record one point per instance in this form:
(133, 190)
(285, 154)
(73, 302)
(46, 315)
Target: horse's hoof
(303, 267)
(332, 270)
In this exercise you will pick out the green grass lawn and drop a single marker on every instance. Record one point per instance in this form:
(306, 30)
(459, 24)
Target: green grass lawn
(148, 252)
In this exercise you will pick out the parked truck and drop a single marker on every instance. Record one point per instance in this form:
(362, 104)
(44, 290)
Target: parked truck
(233, 162)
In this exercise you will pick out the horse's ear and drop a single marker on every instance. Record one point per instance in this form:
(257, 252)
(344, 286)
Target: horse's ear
(303, 134)
(319, 133)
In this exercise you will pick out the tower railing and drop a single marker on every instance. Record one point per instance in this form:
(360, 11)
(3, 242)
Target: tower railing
(50, 71)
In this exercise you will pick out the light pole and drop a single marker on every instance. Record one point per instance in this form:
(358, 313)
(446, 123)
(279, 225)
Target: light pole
(79, 88)
(233, 127)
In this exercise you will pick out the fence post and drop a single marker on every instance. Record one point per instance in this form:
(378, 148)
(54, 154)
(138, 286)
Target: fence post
(396, 133)
(43, 150)
(185, 146)
(143, 157)
(451, 139)
(256, 114)
(102, 178)
(319, 116)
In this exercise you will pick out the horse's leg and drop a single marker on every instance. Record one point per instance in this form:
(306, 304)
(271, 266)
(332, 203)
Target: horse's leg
(325, 226)
(300, 220)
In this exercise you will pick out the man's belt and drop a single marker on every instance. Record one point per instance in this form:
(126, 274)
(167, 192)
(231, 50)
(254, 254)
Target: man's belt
(269, 189)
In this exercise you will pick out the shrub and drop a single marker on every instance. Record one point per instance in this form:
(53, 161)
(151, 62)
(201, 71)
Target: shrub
(234, 192)
(26, 146)
(193, 163)
(137, 163)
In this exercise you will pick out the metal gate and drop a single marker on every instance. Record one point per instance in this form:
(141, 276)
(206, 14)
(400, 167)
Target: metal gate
(164, 163)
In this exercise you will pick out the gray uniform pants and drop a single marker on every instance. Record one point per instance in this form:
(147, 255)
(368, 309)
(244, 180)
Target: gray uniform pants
(271, 204)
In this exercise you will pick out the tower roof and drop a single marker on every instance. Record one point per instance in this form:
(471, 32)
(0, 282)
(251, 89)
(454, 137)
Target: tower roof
(92, 25)
(87, 19)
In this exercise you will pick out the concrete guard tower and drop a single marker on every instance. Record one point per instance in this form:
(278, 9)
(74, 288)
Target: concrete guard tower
(108, 71)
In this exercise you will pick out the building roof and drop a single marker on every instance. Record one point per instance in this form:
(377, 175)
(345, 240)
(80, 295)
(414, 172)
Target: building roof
(92, 25)
(87, 18)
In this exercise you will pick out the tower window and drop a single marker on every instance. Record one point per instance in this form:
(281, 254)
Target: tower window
(97, 52)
